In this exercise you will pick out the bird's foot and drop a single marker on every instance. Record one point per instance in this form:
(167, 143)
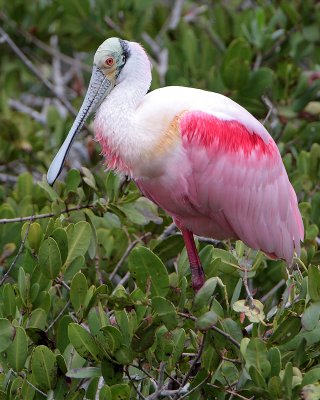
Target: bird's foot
(197, 277)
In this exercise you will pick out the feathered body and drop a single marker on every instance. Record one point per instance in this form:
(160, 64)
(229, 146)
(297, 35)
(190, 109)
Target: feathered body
(203, 158)
(199, 155)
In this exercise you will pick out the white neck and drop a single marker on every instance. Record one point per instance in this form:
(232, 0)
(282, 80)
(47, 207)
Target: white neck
(114, 122)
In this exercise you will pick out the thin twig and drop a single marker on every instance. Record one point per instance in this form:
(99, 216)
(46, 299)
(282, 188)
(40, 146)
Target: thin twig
(175, 15)
(17, 255)
(36, 115)
(62, 283)
(270, 106)
(124, 279)
(8, 178)
(158, 392)
(193, 365)
(58, 316)
(35, 71)
(42, 45)
(30, 384)
(141, 396)
(195, 388)
(111, 24)
(272, 291)
(41, 216)
(232, 392)
(126, 254)
(215, 328)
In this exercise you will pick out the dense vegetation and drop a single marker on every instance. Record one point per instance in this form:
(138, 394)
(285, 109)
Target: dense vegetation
(95, 296)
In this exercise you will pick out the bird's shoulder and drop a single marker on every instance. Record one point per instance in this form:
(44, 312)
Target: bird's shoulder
(162, 106)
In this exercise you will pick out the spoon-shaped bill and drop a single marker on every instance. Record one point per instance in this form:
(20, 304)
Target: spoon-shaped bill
(99, 87)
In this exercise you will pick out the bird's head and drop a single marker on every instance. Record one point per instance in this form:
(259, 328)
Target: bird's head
(108, 63)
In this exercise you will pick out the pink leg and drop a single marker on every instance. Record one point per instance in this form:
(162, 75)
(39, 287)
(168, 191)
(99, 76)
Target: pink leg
(197, 273)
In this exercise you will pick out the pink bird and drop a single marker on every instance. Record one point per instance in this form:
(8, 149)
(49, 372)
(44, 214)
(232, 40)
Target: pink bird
(199, 155)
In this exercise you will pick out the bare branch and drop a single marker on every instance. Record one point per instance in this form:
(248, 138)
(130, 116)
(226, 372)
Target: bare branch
(31, 385)
(272, 291)
(35, 71)
(194, 12)
(62, 283)
(17, 105)
(58, 316)
(215, 328)
(193, 365)
(42, 216)
(141, 396)
(42, 45)
(111, 24)
(17, 255)
(175, 15)
(126, 253)
(8, 178)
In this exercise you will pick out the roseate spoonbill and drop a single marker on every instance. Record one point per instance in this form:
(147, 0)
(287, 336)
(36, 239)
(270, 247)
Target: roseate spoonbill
(199, 155)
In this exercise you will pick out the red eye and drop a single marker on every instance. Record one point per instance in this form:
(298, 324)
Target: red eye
(109, 61)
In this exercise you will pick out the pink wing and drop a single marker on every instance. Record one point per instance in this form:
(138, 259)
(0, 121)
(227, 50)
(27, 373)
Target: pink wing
(229, 182)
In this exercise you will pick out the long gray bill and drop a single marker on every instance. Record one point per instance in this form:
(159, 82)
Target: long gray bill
(99, 87)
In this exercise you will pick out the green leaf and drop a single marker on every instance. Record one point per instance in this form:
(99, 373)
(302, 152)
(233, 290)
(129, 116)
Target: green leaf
(169, 247)
(23, 285)
(236, 64)
(314, 283)
(287, 330)
(75, 266)
(7, 333)
(44, 368)
(50, 258)
(61, 337)
(124, 355)
(124, 325)
(274, 357)
(148, 270)
(206, 320)
(287, 380)
(311, 316)
(35, 234)
(73, 180)
(89, 178)
(48, 189)
(112, 373)
(79, 237)
(39, 336)
(60, 236)
(37, 319)
(110, 338)
(275, 387)
(83, 342)
(24, 185)
(256, 356)
(311, 376)
(202, 297)
(17, 352)
(84, 373)
(179, 342)
(78, 291)
(257, 377)
(141, 212)
(144, 336)
(259, 81)
(166, 311)
(105, 393)
(120, 391)
(9, 301)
